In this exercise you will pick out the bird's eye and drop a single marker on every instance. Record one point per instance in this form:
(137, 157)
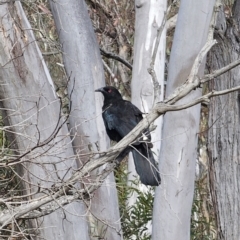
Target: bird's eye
(109, 90)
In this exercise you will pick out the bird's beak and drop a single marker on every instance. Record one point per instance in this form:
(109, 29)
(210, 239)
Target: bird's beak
(99, 90)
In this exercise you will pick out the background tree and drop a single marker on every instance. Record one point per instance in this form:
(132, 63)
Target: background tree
(173, 199)
(223, 133)
(84, 68)
(39, 147)
(40, 143)
(146, 89)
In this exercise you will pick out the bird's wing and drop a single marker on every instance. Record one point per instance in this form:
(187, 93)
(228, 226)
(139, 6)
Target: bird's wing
(122, 117)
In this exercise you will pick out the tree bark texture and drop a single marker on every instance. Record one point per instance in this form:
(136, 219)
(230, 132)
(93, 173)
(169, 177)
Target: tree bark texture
(84, 68)
(173, 199)
(224, 128)
(148, 19)
(33, 112)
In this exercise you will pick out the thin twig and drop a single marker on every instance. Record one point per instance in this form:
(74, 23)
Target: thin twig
(60, 194)
(219, 72)
(151, 70)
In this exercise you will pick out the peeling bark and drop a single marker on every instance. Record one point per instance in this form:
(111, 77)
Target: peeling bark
(149, 17)
(34, 114)
(173, 200)
(224, 128)
(84, 68)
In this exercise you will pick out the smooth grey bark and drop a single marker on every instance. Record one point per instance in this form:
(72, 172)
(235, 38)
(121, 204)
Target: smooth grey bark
(173, 199)
(148, 18)
(224, 128)
(84, 68)
(33, 110)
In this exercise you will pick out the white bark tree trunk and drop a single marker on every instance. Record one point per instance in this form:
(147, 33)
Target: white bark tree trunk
(173, 199)
(149, 16)
(148, 19)
(33, 110)
(84, 67)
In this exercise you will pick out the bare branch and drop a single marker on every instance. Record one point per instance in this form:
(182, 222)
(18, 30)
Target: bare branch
(193, 76)
(193, 81)
(159, 34)
(116, 57)
(151, 70)
(219, 72)
(63, 194)
(108, 69)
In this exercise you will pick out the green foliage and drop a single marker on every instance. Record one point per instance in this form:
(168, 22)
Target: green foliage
(134, 218)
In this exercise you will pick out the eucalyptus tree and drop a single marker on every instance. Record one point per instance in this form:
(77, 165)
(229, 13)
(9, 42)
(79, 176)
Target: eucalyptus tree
(40, 145)
(147, 85)
(62, 166)
(223, 133)
(173, 199)
(83, 66)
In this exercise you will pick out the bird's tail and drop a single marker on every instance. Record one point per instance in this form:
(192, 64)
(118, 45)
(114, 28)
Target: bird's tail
(145, 165)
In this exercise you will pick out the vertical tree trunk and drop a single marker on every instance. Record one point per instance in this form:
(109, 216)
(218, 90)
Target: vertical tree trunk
(224, 128)
(149, 17)
(33, 111)
(173, 200)
(84, 67)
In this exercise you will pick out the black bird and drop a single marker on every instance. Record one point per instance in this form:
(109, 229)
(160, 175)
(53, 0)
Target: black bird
(120, 117)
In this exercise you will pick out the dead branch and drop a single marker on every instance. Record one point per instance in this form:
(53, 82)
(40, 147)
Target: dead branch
(63, 194)
(57, 196)
(116, 57)
(193, 81)
(219, 72)
(151, 69)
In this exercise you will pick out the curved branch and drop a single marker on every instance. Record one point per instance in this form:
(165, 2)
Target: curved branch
(116, 57)
(63, 194)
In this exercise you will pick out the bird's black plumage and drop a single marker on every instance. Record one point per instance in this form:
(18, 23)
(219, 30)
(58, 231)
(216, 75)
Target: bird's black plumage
(120, 117)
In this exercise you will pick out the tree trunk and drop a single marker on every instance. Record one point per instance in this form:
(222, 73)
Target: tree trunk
(149, 17)
(34, 115)
(173, 200)
(224, 128)
(84, 67)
